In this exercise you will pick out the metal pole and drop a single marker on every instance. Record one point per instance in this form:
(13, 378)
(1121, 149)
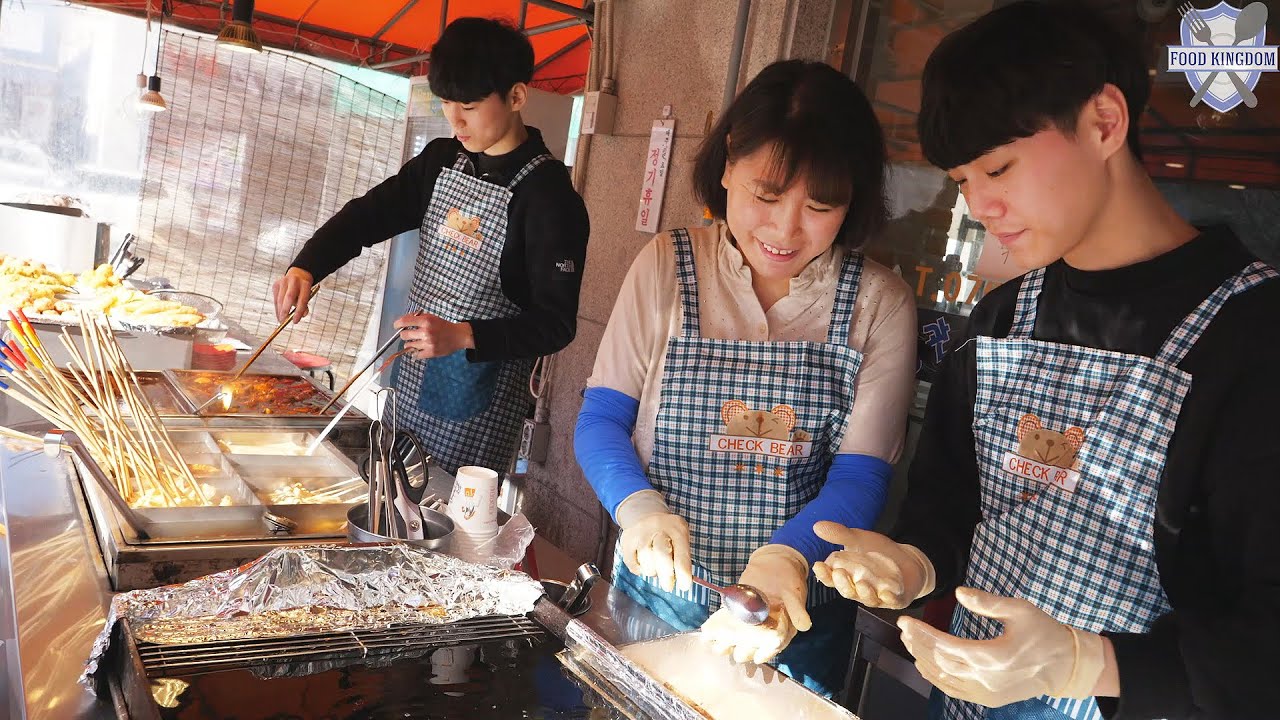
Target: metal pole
(735, 54)
(577, 12)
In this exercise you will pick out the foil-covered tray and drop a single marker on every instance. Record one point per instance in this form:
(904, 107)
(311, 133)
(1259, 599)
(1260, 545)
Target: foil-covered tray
(318, 589)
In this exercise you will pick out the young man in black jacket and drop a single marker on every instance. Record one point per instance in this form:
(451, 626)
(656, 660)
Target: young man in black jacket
(499, 268)
(1097, 471)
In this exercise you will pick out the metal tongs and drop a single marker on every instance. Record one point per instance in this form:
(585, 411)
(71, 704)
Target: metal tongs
(396, 501)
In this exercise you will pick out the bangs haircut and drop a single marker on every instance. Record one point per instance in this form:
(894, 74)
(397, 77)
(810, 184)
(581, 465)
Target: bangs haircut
(1024, 68)
(477, 57)
(817, 125)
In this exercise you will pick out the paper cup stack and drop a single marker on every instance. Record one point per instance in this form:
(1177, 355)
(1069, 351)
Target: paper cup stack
(473, 507)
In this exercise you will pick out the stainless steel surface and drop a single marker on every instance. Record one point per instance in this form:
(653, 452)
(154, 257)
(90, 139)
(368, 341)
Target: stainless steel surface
(242, 518)
(58, 586)
(55, 576)
(437, 527)
(212, 412)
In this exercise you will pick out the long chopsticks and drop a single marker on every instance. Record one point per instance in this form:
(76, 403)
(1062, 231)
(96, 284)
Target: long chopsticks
(315, 444)
(377, 354)
(266, 343)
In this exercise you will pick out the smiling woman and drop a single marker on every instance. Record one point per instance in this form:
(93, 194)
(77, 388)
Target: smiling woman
(765, 368)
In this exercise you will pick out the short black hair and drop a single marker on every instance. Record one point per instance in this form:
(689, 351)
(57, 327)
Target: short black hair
(477, 57)
(821, 126)
(1022, 68)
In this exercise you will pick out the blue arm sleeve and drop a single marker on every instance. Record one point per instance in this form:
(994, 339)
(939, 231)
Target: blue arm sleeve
(602, 444)
(854, 496)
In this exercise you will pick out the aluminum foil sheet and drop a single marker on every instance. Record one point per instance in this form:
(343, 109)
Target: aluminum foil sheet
(614, 678)
(321, 588)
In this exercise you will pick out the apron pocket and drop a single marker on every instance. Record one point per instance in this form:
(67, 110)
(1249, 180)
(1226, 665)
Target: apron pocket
(455, 389)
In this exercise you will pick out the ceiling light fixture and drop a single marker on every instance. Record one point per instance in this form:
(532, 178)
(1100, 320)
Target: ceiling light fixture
(238, 35)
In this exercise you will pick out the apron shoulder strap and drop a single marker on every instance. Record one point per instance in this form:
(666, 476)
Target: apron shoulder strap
(846, 298)
(1185, 335)
(528, 168)
(687, 280)
(463, 164)
(1024, 315)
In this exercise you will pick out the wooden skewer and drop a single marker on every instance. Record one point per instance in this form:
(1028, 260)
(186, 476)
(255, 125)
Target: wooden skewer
(92, 399)
(153, 423)
(18, 435)
(266, 343)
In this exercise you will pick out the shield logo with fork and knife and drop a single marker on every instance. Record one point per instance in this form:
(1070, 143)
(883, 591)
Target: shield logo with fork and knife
(1223, 53)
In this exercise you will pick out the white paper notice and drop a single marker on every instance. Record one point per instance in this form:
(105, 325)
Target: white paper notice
(655, 175)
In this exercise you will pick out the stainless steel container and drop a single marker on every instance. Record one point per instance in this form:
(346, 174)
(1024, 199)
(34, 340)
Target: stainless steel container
(437, 529)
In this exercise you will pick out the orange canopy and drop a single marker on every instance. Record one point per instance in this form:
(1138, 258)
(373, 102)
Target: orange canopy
(394, 34)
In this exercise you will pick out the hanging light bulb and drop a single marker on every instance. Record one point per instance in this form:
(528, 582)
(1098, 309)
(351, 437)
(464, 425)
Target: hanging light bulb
(129, 101)
(238, 35)
(152, 100)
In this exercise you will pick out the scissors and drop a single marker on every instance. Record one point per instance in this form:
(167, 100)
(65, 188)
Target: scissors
(408, 462)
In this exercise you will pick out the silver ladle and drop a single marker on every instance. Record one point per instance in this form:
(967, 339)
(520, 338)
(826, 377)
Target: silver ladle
(743, 601)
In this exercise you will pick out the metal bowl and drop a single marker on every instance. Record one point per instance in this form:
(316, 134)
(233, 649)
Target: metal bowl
(437, 528)
(205, 305)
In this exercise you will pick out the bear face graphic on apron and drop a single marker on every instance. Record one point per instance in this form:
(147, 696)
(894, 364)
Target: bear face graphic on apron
(1071, 445)
(745, 434)
(465, 413)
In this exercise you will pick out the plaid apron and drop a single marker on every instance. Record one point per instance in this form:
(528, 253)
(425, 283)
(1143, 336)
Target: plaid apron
(1071, 447)
(465, 413)
(746, 431)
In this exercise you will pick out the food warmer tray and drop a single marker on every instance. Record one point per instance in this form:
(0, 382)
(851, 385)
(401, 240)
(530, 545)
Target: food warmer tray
(147, 548)
(214, 416)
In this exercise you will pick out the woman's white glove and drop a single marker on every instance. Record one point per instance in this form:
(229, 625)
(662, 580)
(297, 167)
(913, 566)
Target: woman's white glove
(872, 569)
(1035, 655)
(779, 572)
(655, 541)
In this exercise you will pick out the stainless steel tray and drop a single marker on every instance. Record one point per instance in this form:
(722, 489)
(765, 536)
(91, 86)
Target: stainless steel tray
(245, 465)
(266, 473)
(322, 396)
(164, 396)
(243, 520)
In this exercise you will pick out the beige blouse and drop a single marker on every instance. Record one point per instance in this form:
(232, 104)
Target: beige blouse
(647, 313)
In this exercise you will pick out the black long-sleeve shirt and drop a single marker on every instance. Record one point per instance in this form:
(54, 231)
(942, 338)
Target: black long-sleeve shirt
(1217, 522)
(542, 259)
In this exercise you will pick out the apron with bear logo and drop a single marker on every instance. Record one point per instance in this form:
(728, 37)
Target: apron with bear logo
(745, 433)
(465, 413)
(1071, 445)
